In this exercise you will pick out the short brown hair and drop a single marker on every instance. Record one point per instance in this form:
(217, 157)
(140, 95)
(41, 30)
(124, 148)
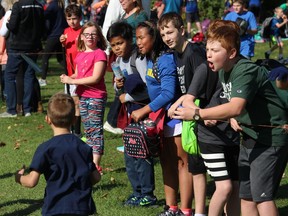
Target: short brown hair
(61, 110)
(101, 43)
(226, 32)
(73, 9)
(172, 17)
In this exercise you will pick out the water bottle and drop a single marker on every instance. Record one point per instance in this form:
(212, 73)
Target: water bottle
(116, 70)
(151, 128)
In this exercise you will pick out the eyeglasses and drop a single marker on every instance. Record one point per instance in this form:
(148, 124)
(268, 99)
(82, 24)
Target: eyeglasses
(87, 35)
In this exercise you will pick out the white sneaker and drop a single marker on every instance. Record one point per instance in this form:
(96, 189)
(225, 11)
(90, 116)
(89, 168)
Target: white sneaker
(111, 129)
(7, 115)
(27, 114)
(42, 82)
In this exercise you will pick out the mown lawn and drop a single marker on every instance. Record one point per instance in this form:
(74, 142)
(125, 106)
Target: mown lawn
(20, 136)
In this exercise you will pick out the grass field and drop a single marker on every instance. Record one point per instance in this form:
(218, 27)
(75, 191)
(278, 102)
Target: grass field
(20, 136)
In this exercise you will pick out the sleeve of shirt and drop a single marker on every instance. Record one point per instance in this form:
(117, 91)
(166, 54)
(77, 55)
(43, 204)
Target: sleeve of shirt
(169, 82)
(252, 21)
(100, 55)
(4, 30)
(197, 87)
(13, 23)
(39, 162)
(244, 84)
(141, 66)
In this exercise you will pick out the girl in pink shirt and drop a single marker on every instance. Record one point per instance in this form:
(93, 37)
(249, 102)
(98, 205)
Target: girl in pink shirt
(91, 64)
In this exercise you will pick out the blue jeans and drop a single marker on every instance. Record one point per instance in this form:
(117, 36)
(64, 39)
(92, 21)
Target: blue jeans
(141, 175)
(12, 67)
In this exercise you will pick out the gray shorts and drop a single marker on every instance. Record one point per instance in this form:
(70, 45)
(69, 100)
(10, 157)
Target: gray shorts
(260, 170)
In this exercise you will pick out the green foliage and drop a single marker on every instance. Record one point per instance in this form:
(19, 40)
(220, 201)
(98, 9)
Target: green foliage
(211, 9)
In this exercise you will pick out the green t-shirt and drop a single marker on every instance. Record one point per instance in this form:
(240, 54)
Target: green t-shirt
(264, 106)
(134, 20)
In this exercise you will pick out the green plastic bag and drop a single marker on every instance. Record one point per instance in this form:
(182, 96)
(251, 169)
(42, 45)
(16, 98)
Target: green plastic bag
(188, 137)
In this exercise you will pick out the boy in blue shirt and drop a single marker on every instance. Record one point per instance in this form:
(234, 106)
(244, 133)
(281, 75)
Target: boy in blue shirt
(276, 23)
(66, 162)
(247, 38)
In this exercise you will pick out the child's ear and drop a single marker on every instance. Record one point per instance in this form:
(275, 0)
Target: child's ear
(182, 30)
(47, 119)
(233, 53)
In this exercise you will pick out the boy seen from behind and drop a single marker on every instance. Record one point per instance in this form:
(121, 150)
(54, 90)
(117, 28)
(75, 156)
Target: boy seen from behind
(69, 42)
(66, 162)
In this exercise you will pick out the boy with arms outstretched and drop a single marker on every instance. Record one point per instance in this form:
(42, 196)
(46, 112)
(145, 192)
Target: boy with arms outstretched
(256, 104)
(66, 162)
(69, 42)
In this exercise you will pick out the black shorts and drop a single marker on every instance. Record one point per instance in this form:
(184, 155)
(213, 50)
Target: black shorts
(221, 161)
(196, 164)
(260, 170)
(192, 17)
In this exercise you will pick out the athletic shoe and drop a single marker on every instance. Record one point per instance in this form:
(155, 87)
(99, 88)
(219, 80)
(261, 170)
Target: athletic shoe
(132, 201)
(111, 129)
(27, 114)
(42, 82)
(169, 212)
(84, 139)
(148, 201)
(7, 115)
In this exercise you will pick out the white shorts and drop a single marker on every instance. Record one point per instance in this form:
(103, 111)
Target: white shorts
(173, 128)
(72, 90)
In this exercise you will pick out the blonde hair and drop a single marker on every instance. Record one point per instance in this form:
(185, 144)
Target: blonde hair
(101, 41)
(8, 4)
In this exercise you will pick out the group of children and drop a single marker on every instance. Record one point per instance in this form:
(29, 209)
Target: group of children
(176, 73)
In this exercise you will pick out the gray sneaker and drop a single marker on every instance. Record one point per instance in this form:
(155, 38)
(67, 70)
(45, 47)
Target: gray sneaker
(7, 115)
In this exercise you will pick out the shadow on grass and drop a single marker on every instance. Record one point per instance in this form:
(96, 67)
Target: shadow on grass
(6, 175)
(34, 205)
(282, 192)
(109, 186)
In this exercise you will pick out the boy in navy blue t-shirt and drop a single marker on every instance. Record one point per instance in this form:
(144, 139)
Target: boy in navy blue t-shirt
(66, 162)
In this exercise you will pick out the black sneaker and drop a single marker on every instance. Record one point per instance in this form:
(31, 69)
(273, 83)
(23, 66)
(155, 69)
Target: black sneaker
(267, 55)
(148, 201)
(132, 201)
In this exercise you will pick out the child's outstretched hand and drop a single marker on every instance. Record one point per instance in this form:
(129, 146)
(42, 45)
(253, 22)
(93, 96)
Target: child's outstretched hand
(19, 173)
(279, 73)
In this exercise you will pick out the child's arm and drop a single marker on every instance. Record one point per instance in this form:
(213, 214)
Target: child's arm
(98, 73)
(279, 25)
(95, 177)
(30, 180)
(62, 39)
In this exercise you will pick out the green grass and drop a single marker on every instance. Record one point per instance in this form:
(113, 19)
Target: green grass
(20, 136)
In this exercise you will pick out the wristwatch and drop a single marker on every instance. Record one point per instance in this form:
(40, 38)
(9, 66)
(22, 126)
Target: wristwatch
(196, 116)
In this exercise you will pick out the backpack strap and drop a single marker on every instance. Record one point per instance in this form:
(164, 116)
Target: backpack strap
(133, 62)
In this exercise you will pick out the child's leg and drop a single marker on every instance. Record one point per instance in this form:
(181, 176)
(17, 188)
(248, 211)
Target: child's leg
(133, 176)
(92, 114)
(185, 177)
(220, 198)
(169, 163)
(77, 124)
